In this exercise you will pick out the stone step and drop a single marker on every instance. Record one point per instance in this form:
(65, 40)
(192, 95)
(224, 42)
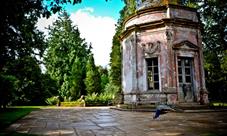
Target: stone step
(191, 105)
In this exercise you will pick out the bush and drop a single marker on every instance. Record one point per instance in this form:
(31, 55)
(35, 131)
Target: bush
(111, 88)
(114, 90)
(8, 87)
(52, 100)
(105, 98)
(94, 99)
(67, 99)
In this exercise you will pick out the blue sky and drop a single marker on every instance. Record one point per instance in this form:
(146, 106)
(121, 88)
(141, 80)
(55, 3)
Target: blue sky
(101, 7)
(96, 21)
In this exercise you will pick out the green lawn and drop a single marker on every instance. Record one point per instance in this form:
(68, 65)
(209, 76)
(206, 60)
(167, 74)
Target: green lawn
(10, 115)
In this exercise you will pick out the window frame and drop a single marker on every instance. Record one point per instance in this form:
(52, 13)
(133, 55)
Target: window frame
(153, 70)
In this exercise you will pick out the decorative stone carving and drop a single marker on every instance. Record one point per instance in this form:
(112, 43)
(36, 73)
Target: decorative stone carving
(169, 35)
(185, 45)
(150, 48)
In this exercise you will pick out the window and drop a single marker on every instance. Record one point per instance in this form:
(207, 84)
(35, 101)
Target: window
(185, 70)
(152, 73)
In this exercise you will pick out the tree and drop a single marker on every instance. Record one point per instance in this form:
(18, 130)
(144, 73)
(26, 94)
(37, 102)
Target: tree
(104, 76)
(78, 74)
(115, 62)
(214, 18)
(66, 57)
(8, 86)
(32, 86)
(92, 80)
(20, 40)
(115, 55)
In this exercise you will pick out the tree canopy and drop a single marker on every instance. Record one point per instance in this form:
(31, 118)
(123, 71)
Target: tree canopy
(66, 57)
(92, 80)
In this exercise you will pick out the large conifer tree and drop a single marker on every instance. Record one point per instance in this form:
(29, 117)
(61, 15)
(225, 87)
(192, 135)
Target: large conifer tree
(93, 80)
(66, 57)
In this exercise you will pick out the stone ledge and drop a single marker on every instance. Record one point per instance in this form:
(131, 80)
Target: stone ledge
(178, 110)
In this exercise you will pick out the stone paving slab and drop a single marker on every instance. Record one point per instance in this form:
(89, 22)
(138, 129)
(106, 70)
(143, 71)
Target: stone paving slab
(109, 122)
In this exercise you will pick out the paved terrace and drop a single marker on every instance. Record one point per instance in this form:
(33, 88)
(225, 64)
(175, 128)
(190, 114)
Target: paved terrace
(109, 122)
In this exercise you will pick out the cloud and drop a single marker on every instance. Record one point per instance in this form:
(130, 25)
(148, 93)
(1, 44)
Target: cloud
(98, 30)
(43, 23)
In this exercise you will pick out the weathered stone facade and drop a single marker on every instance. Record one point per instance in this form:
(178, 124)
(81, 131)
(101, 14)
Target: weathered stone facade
(162, 56)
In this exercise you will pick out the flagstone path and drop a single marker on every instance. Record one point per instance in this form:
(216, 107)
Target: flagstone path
(108, 122)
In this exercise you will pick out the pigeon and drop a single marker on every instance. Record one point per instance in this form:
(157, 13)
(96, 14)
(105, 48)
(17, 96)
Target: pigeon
(162, 109)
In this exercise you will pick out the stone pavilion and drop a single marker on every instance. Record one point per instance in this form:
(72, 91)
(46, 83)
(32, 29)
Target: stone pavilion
(162, 57)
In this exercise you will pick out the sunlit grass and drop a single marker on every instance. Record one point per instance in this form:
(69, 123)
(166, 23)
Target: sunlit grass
(35, 107)
(216, 104)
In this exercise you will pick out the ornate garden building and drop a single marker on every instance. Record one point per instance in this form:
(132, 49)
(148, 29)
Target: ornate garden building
(162, 54)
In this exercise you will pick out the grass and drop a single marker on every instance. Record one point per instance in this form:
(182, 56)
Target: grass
(217, 104)
(12, 114)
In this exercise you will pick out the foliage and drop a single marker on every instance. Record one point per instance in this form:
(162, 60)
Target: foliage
(67, 99)
(52, 100)
(214, 18)
(115, 62)
(20, 40)
(94, 99)
(19, 36)
(8, 86)
(66, 57)
(22, 43)
(33, 87)
(104, 77)
(92, 80)
(115, 55)
(105, 99)
(114, 90)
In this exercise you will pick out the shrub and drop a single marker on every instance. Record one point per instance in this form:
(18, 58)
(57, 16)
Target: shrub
(106, 98)
(115, 93)
(67, 99)
(91, 99)
(94, 99)
(52, 100)
(112, 89)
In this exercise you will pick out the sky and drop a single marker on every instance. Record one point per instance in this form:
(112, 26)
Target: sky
(96, 20)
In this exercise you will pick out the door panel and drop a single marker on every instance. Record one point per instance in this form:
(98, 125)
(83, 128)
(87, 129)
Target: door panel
(185, 79)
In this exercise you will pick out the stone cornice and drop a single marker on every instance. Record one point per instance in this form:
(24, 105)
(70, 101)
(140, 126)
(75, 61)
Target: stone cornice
(176, 22)
(158, 8)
